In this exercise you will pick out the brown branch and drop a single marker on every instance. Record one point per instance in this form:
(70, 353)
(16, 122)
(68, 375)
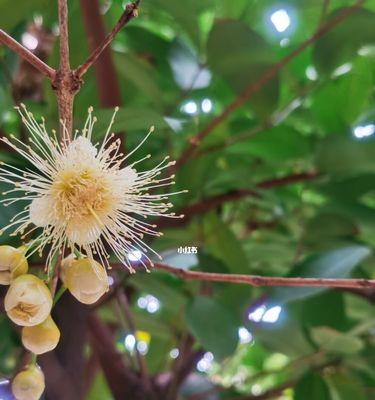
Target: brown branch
(107, 83)
(125, 308)
(235, 195)
(129, 13)
(123, 382)
(323, 15)
(27, 55)
(65, 84)
(262, 80)
(270, 394)
(105, 73)
(56, 378)
(234, 139)
(287, 180)
(274, 119)
(183, 366)
(255, 280)
(64, 36)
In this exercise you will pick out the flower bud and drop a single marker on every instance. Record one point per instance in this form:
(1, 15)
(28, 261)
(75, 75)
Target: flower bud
(28, 384)
(86, 279)
(13, 263)
(41, 338)
(28, 301)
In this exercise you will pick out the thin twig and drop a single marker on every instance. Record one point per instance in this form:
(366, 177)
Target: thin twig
(122, 381)
(183, 365)
(106, 76)
(254, 280)
(262, 80)
(323, 15)
(129, 13)
(213, 202)
(27, 55)
(273, 120)
(125, 308)
(277, 391)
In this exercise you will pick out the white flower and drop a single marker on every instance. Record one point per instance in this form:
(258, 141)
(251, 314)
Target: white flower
(82, 195)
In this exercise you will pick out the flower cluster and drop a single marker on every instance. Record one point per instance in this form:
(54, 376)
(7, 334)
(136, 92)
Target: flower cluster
(28, 303)
(84, 203)
(83, 196)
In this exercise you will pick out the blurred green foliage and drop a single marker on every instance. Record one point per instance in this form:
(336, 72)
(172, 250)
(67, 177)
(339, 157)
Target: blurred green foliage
(179, 64)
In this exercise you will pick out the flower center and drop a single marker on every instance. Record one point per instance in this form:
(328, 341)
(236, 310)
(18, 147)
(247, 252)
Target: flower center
(25, 310)
(80, 194)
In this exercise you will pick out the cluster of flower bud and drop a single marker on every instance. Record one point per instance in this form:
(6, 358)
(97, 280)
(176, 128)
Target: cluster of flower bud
(28, 303)
(86, 279)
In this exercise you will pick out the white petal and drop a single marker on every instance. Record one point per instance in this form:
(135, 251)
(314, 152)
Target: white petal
(83, 232)
(81, 149)
(41, 211)
(128, 175)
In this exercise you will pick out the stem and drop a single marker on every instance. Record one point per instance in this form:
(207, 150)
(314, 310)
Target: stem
(254, 280)
(125, 308)
(58, 295)
(33, 359)
(213, 202)
(65, 84)
(122, 381)
(27, 55)
(129, 13)
(104, 69)
(262, 80)
(64, 36)
(325, 7)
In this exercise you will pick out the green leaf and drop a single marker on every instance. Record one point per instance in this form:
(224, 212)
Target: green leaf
(148, 323)
(337, 227)
(338, 154)
(130, 119)
(186, 15)
(340, 102)
(334, 316)
(276, 144)
(11, 16)
(341, 44)
(213, 325)
(337, 263)
(336, 342)
(346, 387)
(158, 353)
(286, 336)
(312, 387)
(348, 188)
(163, 291)
(245, 56)
(99, 389)
(141, 74)
(222, 243)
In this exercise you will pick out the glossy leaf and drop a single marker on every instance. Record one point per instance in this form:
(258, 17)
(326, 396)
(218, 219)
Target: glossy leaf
(331, 264)
(312, 387)
(213, 325)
